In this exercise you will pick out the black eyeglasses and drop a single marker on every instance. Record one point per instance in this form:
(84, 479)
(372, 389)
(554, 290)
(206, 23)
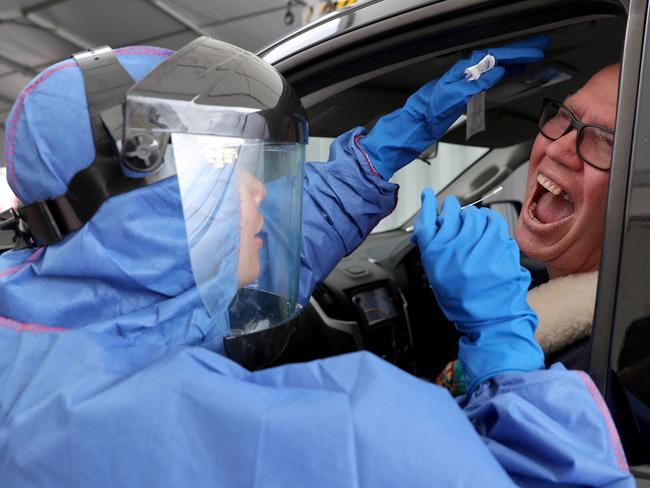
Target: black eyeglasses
(594, 143)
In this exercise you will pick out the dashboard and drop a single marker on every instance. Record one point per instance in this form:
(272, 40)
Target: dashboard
(377, 299)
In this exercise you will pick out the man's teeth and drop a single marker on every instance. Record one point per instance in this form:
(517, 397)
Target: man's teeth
(551, 186)
(531, 212)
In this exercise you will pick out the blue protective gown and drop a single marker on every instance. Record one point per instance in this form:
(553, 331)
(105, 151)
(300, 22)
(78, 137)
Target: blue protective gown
(111, 372)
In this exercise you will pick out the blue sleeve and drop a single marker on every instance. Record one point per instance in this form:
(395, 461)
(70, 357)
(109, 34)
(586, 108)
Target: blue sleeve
(80, 409)
(549, 427)
(344, 199)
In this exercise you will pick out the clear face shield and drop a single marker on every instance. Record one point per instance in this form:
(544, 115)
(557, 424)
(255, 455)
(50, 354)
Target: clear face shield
(242, 207)
(235, 134)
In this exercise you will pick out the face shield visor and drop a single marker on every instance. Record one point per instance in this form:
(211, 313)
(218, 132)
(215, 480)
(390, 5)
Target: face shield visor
(242, 207)
(235, 133)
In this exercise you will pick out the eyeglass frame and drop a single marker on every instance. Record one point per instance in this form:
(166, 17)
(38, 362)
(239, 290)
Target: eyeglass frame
(573, 123)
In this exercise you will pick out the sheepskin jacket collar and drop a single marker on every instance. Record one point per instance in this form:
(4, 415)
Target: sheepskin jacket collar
(565, 308)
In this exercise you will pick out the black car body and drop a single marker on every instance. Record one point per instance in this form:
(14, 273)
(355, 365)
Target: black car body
(354, 65)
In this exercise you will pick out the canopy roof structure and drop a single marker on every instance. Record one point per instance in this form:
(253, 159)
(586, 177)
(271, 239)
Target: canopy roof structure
(37, 33)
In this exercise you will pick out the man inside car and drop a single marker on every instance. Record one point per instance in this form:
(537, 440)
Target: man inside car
(563, 217)
(563, 214)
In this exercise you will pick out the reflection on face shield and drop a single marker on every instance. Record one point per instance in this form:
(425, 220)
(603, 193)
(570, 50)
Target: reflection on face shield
(241, 202)
(216, 186)
(251, 194)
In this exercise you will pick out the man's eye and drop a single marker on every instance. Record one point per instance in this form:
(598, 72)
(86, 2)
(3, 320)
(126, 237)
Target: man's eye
(606, 138)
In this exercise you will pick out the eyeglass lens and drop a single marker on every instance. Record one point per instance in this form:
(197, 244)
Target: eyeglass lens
(594, 144)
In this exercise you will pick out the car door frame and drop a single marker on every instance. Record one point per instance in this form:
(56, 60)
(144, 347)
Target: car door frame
(620, 301)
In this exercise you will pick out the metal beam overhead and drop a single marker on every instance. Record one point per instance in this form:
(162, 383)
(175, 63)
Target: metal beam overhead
(60, 32)
(21, 68)
(216, 23)
(177, 16)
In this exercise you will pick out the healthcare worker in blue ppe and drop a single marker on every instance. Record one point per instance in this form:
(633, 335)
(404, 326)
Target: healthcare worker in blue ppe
(168, 222)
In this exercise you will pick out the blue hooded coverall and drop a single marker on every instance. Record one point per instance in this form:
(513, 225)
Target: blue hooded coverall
(111, 372)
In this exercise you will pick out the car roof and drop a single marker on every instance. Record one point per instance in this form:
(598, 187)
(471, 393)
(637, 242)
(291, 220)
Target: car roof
(340, 21)
(367, 65)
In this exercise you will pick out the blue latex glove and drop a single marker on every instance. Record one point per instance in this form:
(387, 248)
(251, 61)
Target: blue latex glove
(473, 267)
(401, 136)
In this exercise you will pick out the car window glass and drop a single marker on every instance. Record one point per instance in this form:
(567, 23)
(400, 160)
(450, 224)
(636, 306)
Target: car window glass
(630, 342)
(450, 161)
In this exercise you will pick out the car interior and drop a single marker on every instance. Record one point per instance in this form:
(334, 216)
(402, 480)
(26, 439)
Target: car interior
(378, 298)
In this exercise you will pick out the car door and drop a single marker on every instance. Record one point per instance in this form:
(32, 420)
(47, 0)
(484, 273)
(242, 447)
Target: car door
(350, 47)
(620, 355)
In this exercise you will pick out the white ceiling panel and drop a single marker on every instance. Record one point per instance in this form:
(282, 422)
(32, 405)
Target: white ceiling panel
(11, 86)
(256, 31)
(205, 11)
(31, 46)
(5, 69)
(173, 41)
(19, 4)
(37, 33)
(250, 33)
(114, 22)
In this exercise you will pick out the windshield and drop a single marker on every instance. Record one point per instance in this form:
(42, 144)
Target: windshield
(437, 171)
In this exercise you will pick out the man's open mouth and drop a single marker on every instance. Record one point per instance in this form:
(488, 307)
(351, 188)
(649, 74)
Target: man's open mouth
(550, 203)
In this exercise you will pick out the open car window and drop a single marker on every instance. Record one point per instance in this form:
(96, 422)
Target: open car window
(436, 171)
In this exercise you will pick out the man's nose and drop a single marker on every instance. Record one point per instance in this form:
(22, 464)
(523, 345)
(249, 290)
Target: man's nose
(564, 151)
